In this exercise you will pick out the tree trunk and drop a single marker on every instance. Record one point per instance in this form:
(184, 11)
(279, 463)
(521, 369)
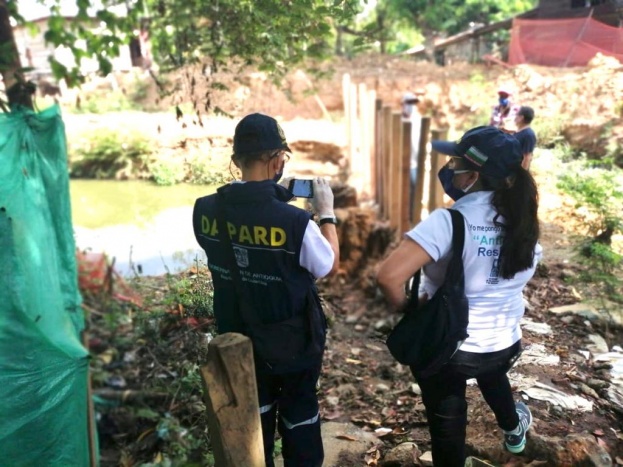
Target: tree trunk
(17, 90)
(380, 23)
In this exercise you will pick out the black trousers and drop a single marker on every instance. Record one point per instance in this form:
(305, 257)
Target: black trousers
(288, 403)
(443, 395)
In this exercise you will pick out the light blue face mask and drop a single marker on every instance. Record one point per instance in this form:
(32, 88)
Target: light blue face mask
(504, 101)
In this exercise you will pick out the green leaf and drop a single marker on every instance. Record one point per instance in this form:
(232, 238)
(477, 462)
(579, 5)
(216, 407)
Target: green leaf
(148, 414)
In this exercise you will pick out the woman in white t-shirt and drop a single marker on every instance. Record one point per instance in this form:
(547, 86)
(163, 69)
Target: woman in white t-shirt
(500, 255)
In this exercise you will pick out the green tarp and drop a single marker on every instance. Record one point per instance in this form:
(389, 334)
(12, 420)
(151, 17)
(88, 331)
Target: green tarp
(43, 365)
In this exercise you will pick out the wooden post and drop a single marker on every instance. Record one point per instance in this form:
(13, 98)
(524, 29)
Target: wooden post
(371, 150)
(231, 401)
(378, 153)
(386, 157)
(395, 171)
(355, 137)
(362, 163)
(421, 169)
(17, 90)
(347, 115)
(435, 196)
(405, 178)
(11, 61)
(91, 424)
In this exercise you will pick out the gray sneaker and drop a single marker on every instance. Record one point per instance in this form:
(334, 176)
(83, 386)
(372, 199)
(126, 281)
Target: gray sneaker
(515, 441)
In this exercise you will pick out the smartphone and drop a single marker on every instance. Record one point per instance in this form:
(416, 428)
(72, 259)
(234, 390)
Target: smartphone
(301, 188)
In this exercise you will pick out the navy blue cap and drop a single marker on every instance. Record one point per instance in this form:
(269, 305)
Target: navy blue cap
(258, 132)
(485, 149)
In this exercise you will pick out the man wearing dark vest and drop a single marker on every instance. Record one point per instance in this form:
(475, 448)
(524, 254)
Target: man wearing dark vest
(279, 251)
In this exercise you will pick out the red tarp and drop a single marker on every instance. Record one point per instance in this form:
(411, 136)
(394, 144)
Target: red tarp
(563, 42)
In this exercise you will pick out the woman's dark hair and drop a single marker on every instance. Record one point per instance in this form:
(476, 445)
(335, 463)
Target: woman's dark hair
(517, 200)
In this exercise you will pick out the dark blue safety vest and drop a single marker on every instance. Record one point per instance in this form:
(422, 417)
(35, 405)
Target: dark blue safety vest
(267, 235)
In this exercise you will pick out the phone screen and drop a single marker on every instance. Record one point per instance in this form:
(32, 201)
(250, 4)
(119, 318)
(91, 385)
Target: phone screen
(302, 188)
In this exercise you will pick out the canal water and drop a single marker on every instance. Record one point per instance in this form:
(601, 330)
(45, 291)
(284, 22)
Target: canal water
(146, 228)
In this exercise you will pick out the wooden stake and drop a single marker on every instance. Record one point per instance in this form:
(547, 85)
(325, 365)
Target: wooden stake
(347, 115)
(395, 171)
(377, 152)
(91, 426)
(362, 162)
(421, 169)
(231, 400)
(370, 150)
(405, 178)
(386, 158)
(435, 197)
(355, 136)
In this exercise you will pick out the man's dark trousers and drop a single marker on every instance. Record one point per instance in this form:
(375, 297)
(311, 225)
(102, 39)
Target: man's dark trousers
(289, 403)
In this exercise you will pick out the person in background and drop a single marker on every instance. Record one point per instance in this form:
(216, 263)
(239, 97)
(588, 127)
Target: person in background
(504, 112)
(499, 205)
(525, 134)
(284, 251)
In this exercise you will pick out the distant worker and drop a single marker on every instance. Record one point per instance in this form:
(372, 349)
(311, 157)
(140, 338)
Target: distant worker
(504, 112)
(525, 134)
(411, 113)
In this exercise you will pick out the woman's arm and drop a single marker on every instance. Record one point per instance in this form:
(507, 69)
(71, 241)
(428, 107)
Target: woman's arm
(398, 268)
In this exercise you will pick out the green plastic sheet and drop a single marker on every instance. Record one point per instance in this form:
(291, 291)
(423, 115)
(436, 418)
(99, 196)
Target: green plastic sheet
(43, 364)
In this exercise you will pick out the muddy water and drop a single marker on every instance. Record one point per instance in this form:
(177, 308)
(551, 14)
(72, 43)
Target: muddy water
(145, 227)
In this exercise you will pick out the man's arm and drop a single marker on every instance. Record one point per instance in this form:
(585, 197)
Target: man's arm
(317, 253)
(329, 231)
(323, 205)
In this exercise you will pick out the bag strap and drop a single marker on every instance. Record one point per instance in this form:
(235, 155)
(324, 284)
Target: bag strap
(247, 312)
(455, 272)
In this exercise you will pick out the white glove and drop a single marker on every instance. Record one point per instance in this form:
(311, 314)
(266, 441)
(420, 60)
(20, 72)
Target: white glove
(322, 202)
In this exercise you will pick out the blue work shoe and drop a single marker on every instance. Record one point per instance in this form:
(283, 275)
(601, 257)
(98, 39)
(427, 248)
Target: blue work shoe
(515, 441)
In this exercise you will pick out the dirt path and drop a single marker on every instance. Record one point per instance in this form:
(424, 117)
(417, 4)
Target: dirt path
(364, 385)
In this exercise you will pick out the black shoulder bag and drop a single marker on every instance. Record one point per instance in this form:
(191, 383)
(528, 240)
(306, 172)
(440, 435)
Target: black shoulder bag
(427, 336)
(285, 344)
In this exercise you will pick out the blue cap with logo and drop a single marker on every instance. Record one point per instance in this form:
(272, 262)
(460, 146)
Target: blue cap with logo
(485, 149)
(258, 132)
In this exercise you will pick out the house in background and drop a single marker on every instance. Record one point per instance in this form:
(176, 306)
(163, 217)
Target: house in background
(35, 53)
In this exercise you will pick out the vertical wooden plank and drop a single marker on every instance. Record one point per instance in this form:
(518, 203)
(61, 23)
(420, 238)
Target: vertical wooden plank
(395, 171)
(405, 178)
(377, 153)
(386, 158)
(231, 400)
(355, 136)
(421, 169)
(371, 131)
(91, 423)
(362, 166)
(437, 161)
(347, 116)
